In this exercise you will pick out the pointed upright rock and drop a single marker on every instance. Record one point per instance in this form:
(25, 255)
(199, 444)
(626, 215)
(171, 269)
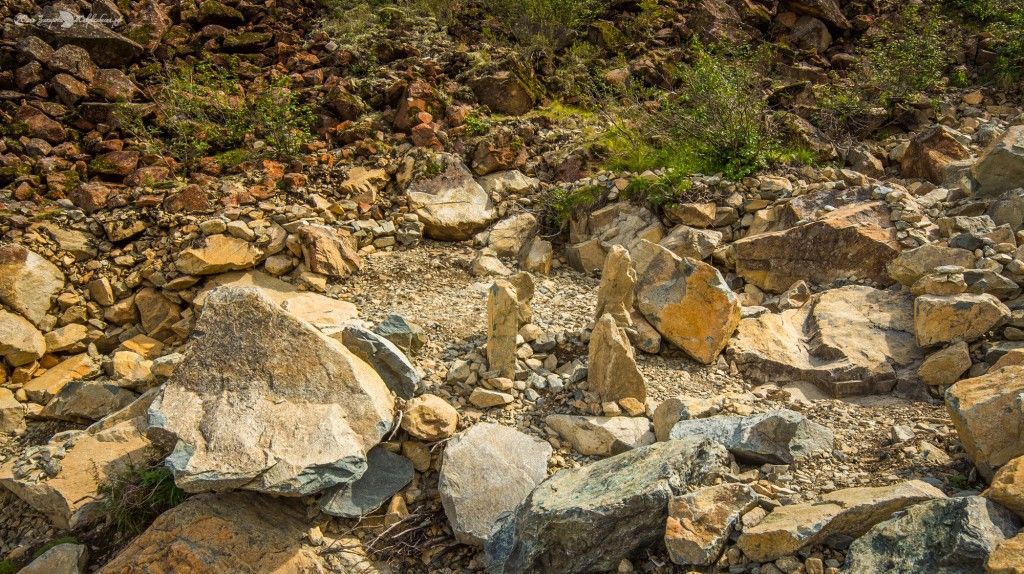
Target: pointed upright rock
(612, 372)
(615, 295)
(502, 327)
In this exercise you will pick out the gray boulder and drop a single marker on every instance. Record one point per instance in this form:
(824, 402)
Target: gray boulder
(949, 536)
(486, 471)
(264, 401)
(386, 473)
(385, 357)
(1001, 168)
(777, 437)
(407, 336)
(589, 519)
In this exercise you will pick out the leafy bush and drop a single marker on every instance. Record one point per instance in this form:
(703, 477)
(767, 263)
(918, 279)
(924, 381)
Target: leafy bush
(132, 500)
(561, 204)
(543, 25)
(7, 567)
(667, 189)
(716, 120)
(910, 54)
(203, 109)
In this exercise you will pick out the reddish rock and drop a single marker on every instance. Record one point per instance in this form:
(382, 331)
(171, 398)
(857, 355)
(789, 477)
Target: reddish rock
(331, 252)
(117, 163)
(90, 197)
(148, 176)
(930, 153)
(68, 89)
(73, 60)
(113, 85)
(419, 97)
(192, 199)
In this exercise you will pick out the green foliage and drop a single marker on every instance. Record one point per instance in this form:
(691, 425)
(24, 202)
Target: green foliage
(7, 567)
(132, 500)
(562, 203)
(715, 121)
(910, 54)
(476, 125)
(202, 109)
(543, 25)
(842, 109)
(667, 189)
(1002, 22)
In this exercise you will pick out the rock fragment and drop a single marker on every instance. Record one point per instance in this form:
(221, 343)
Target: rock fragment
(602, 436)
(611, 364)
(776, 437)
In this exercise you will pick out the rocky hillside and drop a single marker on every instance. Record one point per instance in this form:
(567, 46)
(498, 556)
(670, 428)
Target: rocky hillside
(540, 286)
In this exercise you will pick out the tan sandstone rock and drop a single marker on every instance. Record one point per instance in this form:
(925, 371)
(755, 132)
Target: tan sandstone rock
(964, 317)
(28, 282)
(1007, 486)
(450, 203)
(20, 342)
(612, 373)
(700, 523)
(686, 300)
(602, 436)
(430, 418)
(1008, 557)
(943, 368)
(42, 388)
(988, 414)
(502, 328)
(217, 254)
(328, 251)
(616, 294)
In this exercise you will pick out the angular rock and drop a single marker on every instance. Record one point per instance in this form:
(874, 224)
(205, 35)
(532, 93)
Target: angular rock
(61, 559)
(157, 313)
(328, 251)
(44, 387)
(602, 436)
(510, 236)
(296, 417)
(781, 436)
(988, 414)
(1007, 486)
(87, 401)
(503, 92)
(538, 256)
(1001, 167)
(217, 254)
(386, 473)
(686, 300)
(620, 223)
(913, 264)
(943, 368)
(848, 512)
(387, 359)
(965, 317)
(699, 215)
(430, 418)
(106, 47)
(12, 413)
(451, 204)
(675, 409)
(687, 241)
(852, 340)
(700, 523)
(224, 532)
(20, 342)
(854, 241)
(612, 373)
(616, 293)
(486, 398)
(28, 282)
(62, 479)
(1008, 557)
(502, 328)
(623, 499)
(67, 339)
(486, 471)
(408, 336)
(930, 154)
(952, 536)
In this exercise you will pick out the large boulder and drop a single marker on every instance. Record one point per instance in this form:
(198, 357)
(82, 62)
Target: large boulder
(951, 536)
(263, 401)
(842, 513)
(487, 471)
(1001, 168)
(20, 342)
(988, 414)
(28, 282)
(686, 300)
(220, 533)
(589, 519)
(510, 236)
(852, 340)
(106, 47)
(44, 387)
(1008, 557)
(62, 479)
(66, 558)
(686, 241)
(965, 317)
(218, 253)
(777, 437)
(449, 202)
(611, 364)
(1007, 486)
(931, 153)
(591, 235)
(855, 241)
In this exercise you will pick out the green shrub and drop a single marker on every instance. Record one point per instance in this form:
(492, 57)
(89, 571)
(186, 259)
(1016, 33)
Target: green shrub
(910, 54)
(715, 121)
(7, 567)
(133, 499)
(202, 109)
(667, 189)
(543, 25)
(561, 204)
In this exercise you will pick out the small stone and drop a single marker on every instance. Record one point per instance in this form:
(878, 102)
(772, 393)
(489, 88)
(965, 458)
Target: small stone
(430, 418)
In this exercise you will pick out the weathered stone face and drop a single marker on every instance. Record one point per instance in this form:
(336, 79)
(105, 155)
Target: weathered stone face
(217, 254)
(988, 414)
(848, 341)
(502, 327)
(487, 470)
(28, 282)
(686, 300)
(623, 499)
(611, 366)
(964, 317)
(700, 523)
(855, 240)
(1001, 168)
(20, 341)
(602, 436)
(451, 204)
(1007, 486)
(263, 401)
(777, 437)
